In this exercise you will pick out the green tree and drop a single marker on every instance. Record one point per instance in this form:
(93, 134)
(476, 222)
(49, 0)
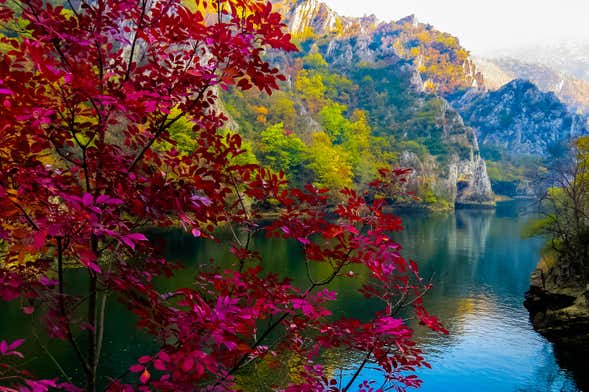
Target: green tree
(281, 149)
(335, 124)
(565, 209)
(330, 163)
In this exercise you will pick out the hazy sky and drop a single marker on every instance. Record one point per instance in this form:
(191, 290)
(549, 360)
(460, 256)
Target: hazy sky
(484, 26)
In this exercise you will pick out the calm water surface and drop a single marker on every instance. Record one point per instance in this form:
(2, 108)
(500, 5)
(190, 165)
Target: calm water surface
(480, 268)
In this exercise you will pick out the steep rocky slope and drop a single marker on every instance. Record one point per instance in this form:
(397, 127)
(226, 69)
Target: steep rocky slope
(572, 91)
(399, 72)
(520, 118)
(438, 57)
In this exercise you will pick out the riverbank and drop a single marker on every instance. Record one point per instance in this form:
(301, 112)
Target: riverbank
(559, 310)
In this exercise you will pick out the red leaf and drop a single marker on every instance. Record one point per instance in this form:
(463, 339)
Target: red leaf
(87, 199)
(136, 368)
(145, 376)
(187, 364)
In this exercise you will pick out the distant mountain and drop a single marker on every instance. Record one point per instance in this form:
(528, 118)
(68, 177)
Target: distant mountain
(569, 89)
(520, 118)
(569, 57)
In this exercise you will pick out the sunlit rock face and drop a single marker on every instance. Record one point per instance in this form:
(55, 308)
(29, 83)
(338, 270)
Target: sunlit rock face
(437, 57)
(405, 58)
(520, 118)
(571, 90)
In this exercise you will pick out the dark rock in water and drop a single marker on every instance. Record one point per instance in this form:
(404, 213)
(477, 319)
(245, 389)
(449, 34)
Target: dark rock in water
(559, 310)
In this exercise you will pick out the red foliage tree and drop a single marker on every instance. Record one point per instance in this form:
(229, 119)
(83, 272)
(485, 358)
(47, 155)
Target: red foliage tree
(88, 95)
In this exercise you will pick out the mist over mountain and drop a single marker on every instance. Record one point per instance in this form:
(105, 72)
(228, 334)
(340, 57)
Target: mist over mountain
(570, 57)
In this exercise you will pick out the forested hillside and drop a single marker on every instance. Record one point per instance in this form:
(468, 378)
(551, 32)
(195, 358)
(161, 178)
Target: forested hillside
(362, 94)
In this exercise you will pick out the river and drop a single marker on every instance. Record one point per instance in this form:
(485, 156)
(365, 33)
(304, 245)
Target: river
(480, 268)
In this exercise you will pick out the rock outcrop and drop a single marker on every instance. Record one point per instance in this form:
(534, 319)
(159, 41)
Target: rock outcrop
(519, 118)
(465, 182)
(572, 91)
(400, 72)
(438, 57)
(559, 310)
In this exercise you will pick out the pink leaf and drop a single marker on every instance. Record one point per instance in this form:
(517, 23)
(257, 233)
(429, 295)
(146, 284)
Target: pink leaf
(17, 343)
(145, 376)
(188, 364)
(132, 238)
(137, 237)
(87, 199)
(164, 356)
(105, 199)
(159, 364)
(136, 368)
(303, 241)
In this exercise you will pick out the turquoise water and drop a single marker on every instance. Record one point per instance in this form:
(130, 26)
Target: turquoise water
(480, 268)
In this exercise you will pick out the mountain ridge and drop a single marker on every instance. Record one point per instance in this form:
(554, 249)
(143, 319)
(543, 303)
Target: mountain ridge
(367, 93)
(520, 118)
(569, 89)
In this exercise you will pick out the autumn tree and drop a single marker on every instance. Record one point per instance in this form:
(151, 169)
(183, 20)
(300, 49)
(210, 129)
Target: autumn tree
(565, 210)
(281, 149)
(95, 99)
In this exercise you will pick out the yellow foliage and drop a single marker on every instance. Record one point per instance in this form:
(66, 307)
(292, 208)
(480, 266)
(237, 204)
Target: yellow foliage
(430, 86)
(262, 114)
(330, 163)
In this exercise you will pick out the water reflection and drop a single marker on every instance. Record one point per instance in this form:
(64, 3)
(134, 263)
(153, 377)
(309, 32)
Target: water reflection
(480, 269)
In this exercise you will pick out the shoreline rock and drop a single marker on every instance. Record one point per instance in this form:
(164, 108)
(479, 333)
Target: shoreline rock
(559, 310)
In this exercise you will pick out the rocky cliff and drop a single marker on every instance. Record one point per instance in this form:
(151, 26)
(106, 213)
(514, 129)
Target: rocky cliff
(520, 118)
(462, 179)
(572, 91)
(402, 70)
(441, 62)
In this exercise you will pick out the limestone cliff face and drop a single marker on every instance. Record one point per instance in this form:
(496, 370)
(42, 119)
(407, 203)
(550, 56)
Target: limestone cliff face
(464, 181)
(313, 15)
(401, 85)
(462, 178)
(442, 64)
(520, 118)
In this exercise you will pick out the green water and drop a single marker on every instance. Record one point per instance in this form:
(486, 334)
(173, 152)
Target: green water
(480, 268)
